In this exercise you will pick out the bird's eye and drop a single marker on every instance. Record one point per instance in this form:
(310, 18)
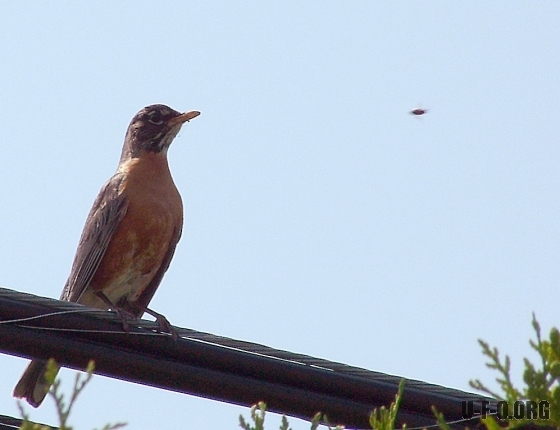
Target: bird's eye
(155, 118)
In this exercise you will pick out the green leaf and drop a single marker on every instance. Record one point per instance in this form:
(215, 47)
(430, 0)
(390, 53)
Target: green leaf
(541, 382)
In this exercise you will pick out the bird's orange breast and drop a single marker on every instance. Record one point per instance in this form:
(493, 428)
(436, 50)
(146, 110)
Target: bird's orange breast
(146, 232)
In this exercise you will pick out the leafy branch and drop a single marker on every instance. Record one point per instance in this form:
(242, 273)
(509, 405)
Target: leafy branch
(63, 410)
(542, 385)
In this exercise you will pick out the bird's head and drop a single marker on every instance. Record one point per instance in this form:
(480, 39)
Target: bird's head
(153, 129)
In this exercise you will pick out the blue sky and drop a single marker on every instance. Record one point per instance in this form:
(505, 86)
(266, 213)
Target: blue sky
(320, 217)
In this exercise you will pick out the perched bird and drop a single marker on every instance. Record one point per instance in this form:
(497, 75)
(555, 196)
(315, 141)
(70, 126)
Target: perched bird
(130, 233)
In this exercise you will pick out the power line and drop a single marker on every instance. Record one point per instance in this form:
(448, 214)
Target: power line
(215, 367)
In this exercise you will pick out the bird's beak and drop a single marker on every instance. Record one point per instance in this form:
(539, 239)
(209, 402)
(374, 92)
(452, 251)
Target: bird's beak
(187, 116)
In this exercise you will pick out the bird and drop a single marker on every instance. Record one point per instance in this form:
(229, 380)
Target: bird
(418, 111)
(130, 233)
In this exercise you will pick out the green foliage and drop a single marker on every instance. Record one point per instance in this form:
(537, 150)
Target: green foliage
(442, 424)
(380, 419)
(385, 419)
(258, 412)
(541, 383)
(63, 409)
(319, 419)
(257, 415)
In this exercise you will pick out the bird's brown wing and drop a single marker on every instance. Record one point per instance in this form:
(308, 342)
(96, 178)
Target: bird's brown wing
(107, 212)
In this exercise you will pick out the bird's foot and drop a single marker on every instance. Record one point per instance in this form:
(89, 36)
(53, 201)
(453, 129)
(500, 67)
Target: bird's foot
(124, 316)
(164, 326)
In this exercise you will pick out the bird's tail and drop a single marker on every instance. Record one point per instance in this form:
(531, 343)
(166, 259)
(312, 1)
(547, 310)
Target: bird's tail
(32, 385)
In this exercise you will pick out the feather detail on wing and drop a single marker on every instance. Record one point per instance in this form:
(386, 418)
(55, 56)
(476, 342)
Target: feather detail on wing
(107, 212)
